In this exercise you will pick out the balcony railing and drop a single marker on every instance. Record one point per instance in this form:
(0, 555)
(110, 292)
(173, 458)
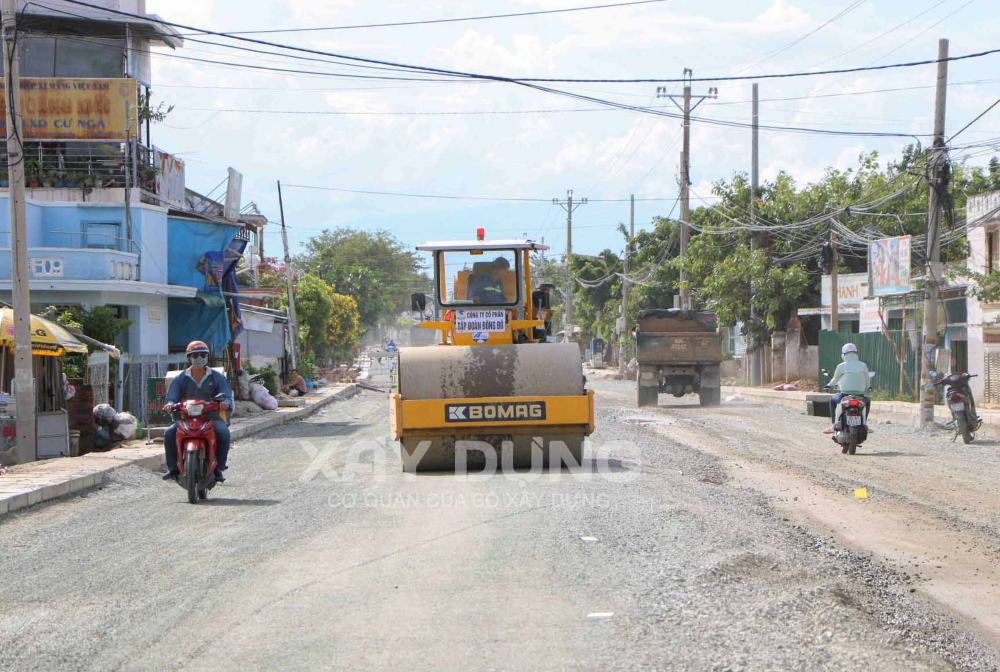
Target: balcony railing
(96, 241)
(84, 165)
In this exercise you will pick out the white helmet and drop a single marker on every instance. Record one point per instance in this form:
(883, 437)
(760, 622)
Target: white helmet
(849, 347)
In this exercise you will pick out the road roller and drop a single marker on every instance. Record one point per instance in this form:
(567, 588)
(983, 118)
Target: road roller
(494, 393)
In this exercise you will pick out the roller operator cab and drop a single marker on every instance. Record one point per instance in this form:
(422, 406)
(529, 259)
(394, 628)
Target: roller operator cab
(493, 394)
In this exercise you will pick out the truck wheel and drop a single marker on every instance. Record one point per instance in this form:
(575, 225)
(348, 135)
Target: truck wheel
(646, 396)
(710, 396)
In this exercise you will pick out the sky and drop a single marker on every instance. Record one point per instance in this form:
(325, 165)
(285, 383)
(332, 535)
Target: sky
(283, 129)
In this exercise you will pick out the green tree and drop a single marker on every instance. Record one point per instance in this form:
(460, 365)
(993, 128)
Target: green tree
(374, 268)
(343, 330)
(313, 308)
(597, 298)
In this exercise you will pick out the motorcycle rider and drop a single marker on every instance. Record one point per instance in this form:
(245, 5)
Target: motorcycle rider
(851, 377)
(199, 382)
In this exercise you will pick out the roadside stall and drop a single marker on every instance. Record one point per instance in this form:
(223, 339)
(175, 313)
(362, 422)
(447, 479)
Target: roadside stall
(49, 342)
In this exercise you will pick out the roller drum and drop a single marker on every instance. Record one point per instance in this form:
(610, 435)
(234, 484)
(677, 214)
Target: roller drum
(470, 372)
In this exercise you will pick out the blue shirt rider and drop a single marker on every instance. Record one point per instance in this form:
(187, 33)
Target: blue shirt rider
(199, 382)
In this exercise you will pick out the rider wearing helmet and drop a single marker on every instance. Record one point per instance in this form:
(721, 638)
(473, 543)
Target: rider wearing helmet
(199, 382)
(851, 377)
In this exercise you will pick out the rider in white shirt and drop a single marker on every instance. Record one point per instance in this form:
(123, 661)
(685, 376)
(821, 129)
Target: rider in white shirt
(851, 377)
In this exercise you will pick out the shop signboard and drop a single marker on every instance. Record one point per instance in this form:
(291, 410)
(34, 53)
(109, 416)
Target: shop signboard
(59, 108)
(890, 265)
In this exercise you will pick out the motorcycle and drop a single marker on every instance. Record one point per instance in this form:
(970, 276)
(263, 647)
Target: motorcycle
(851, 420)
(958, 396)
(196, 445)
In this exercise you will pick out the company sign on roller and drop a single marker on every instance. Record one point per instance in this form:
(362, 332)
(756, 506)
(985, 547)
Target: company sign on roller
(490, 321)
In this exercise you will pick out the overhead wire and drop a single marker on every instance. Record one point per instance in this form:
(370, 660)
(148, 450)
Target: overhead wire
(844, 12)
(426, 22)
(528, 80)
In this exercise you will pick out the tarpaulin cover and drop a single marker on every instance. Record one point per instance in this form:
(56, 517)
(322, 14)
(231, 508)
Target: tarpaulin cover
(187, 243)
(201, 320)
(231, 256)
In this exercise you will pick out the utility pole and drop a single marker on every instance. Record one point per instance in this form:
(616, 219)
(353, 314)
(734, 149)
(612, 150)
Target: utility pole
(569, 207)
(834, 284)
(661, 92)
(938, 187)
(624, 330)
(20, 289)
(293, 324)
(754, 349)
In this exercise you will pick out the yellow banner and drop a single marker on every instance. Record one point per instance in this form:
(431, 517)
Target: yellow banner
(56, 108)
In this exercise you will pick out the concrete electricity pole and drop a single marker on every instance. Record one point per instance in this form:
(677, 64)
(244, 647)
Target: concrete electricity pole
(834, 284)
(661, 92)
(754, 351)
(937, 188)
(625, 265)
(569, 207)
(293, 323)
(23, 376)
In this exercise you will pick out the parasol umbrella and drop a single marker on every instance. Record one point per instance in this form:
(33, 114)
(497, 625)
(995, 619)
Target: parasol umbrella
(47, 337)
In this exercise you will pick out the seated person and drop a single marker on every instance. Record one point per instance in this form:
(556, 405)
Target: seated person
(489, 288)
(296, 386)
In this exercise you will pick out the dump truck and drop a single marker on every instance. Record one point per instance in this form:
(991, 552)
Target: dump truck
(492, 381)
(678, 351)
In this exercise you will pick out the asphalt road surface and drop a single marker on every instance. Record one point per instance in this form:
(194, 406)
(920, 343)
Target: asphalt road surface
(668, 551)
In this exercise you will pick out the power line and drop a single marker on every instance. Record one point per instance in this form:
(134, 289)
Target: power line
(426, 22)
(880, 36)
(978, 117)
(844, 12)
(459, 198)
(915, 37)
(607, 106)
(531, 80)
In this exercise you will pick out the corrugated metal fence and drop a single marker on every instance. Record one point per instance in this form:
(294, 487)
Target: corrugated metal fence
(134, 370)
(880, 354)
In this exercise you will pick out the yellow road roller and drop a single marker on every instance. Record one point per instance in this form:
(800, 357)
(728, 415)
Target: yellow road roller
(494, 393)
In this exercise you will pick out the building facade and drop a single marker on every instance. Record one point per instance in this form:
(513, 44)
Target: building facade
(110, 221)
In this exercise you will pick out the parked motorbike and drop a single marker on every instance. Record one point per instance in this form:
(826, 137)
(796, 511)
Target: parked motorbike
(851, 420)
(196, 445)
(958, 396)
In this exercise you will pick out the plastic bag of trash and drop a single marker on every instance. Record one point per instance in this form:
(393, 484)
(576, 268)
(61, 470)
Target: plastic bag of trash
(102, 438)
(126, 425)
(261, 397)
(104, 415)
(243, 383)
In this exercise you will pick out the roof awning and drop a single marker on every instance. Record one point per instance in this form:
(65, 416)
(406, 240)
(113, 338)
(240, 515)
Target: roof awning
(149, 25)
(210, 300)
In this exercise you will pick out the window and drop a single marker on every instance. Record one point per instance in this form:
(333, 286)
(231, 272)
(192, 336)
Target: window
(488, 278)
(101, 236)
(43, 56)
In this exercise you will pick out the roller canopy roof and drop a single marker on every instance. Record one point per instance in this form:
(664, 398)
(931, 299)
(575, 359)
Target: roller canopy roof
(512, 244)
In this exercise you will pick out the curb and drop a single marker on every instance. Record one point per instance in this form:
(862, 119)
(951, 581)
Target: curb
(52, 479)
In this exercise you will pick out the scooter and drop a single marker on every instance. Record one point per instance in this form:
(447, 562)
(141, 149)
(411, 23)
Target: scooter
(851, 420)
(961, 403)
(196, 445)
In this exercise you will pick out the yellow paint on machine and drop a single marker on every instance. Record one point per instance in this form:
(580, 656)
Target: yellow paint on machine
(450, 415)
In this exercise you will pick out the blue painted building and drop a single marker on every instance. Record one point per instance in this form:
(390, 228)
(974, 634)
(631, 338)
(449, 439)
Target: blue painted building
(85, 254)
(115, 226)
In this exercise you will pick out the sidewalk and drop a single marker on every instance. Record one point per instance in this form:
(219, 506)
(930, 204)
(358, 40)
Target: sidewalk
(903, 412)
(28, 484)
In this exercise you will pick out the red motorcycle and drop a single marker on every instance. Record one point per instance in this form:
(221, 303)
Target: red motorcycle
(196, 445)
